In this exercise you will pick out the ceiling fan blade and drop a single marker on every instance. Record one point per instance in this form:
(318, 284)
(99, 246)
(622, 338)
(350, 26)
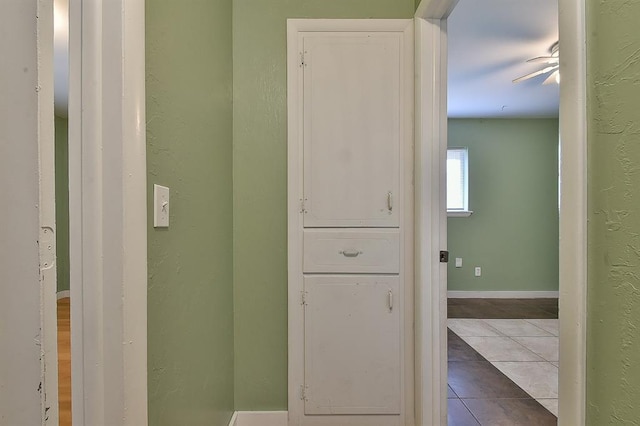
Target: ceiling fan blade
(536, 73)
(553, 78)
(545, 59)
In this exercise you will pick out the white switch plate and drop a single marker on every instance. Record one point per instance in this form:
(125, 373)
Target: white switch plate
(160, 206)
(458, 262)
(478, 271)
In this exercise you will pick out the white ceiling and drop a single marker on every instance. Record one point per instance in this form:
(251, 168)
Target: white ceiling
(489, 43)
(61, 57)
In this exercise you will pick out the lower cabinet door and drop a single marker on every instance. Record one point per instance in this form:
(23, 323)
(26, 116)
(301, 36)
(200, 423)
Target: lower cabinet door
(352, 345)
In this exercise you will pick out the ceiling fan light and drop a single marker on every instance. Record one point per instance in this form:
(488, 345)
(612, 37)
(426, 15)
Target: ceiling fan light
(553, 68)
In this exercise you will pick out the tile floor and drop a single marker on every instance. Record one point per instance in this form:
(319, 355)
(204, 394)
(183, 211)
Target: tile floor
(503, 371)
(523, 350)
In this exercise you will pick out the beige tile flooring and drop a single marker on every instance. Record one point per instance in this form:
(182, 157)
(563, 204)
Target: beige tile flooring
(525, 350)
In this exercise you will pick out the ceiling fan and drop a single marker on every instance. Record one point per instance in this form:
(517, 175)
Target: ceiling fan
(552, 68)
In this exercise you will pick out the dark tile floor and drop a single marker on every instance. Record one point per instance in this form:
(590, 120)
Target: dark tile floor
(479, 394)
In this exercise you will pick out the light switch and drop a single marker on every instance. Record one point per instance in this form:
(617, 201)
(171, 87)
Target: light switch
(458, 262)
(478, 271)
(160, 206)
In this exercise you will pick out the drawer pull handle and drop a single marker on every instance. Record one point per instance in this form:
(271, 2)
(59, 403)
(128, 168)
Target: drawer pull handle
(351, 253)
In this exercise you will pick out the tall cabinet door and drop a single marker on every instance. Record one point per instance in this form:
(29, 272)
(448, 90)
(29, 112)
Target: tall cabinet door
(352, 345)
(352, 129)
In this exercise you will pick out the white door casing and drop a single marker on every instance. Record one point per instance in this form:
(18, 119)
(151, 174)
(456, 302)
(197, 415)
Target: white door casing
(28, 358)
(107, 211)
(431, 219)
(355, 212)
(573, 215)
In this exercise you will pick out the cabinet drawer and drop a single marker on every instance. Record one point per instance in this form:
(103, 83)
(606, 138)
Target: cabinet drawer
(351, 251)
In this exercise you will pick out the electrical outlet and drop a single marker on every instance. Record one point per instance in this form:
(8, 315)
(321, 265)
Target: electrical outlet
(458, 262)
(478, 271)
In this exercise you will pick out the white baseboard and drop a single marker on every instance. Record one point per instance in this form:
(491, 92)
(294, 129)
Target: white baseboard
(259, 418)
(502, 294)
(234, 419)
(62, 294)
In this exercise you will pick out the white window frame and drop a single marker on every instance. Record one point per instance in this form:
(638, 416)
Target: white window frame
(464, 211)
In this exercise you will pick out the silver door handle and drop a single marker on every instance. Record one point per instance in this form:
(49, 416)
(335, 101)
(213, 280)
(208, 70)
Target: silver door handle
(390, 201)
(351, 253)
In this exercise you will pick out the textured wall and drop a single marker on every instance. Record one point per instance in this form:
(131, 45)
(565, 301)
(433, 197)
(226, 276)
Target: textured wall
(613, 329)
(189, 128)
(62, 203)
(260, 185)
(513, 192)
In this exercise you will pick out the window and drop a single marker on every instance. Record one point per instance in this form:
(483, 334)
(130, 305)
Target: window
(458, 182)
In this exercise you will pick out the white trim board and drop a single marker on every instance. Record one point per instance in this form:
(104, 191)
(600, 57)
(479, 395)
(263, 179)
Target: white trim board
(455, 294)
(28, 365)
(234, 419)
(431, 214)
(108, 212)
(259, 418)
(573, 214)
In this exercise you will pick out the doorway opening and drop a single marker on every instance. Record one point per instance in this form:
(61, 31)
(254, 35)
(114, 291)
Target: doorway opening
(502, 203)
(61, 143)
(431, 223)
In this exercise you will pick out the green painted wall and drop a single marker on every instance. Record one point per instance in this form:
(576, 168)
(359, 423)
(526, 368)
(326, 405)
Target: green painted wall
(513, 192)
(613, 336)
(62, 202)
(189, 149)
(260, 185)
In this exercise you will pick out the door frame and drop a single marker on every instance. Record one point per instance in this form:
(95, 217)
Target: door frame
(28, 359)
(107, 212)
(295, 207)
(431, 127)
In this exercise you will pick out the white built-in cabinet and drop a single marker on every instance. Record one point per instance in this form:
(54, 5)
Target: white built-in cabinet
(350, 190)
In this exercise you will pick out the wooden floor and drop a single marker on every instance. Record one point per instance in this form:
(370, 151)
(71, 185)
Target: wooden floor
(503, 308)
(469, 372)
(64, 360)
